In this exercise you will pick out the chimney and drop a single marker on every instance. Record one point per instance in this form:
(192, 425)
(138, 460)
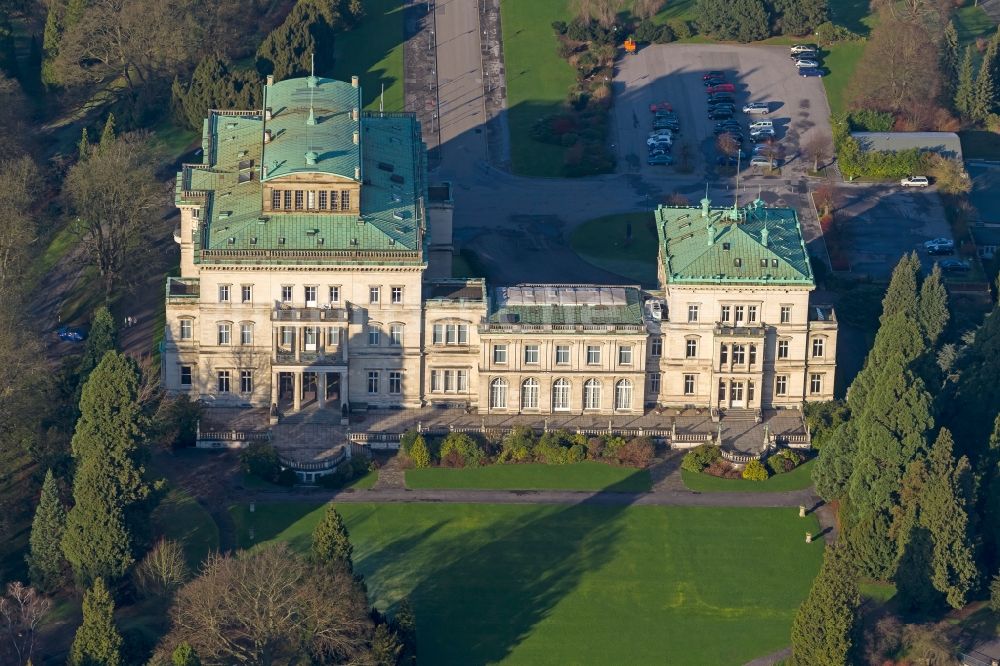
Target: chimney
(763, 236)
(355, 114)
(357, 173)
(711, 234)
(354, 81)
(267, 136)
(267, 113)
(357, 137)
(311, 157)
(705, 203)
(270, 79)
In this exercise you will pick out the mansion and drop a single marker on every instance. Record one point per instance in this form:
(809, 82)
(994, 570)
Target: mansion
(316, 269)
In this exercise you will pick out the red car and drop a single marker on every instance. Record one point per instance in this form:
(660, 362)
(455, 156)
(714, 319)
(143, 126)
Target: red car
(722, 87)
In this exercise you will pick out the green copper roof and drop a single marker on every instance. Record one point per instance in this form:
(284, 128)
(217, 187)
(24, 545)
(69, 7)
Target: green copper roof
(330, 104)
(228, 188)
(566, 304)
(750, 245)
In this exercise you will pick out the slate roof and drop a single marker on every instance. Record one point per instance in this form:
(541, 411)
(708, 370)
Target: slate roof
(566, 304)
(227, 185)
(944, 143)
(749, 245)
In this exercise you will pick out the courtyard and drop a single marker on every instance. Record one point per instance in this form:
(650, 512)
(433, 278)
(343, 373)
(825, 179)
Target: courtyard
(523, 584)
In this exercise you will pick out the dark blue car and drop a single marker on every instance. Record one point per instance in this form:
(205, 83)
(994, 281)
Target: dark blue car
(810, 71)
(71, 334)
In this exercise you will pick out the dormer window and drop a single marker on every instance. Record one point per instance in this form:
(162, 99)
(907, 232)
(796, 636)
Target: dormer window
(725, 246)
(737, 262)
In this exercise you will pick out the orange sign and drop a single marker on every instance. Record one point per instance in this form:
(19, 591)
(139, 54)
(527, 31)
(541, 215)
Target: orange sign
(629, 45)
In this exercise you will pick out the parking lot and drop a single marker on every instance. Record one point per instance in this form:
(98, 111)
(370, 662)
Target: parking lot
(673, 73)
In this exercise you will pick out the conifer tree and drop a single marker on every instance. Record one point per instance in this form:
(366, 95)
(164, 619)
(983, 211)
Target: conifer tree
(108, 482)
(45, 561)
(950, 57)
(404, 623)
(933, 312)
(97, 641)
(103, 338)
(984, 93)
(184, 655)
(824, 626)
(420, 453)
(965, 88)
(331, 542)
(386, 647)
(914, 589)
(108, 134)
(901, 295)
(83, 148)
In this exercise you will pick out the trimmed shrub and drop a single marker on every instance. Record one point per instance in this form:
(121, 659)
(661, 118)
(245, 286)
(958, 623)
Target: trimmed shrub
(700, 457)
(553, 447)
(595, 448)
(261, 460)
(869, 120)
(517, 446)
(681, 28)
(637, 452)
(722, 469)
(459, 449)
(755, 471)
(784, 460)
(612, 447)
(559, 27)
(576, 453)
(420, 453)
(407, 440)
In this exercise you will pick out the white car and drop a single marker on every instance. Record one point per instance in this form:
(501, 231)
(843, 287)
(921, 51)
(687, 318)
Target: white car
(756, 108)
(939, 242)
(802, 48)
(762, 131)
(761, 124)
(915, 181)
(659, 140)
(761, 161)
(806, 64)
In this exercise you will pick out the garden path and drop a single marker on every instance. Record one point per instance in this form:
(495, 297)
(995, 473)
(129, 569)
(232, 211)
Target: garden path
(391, 475)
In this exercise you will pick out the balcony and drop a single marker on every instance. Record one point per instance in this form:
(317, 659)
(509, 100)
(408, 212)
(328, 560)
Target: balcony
(183, 290)
(288, 313)
(287, 357)
(729, 331)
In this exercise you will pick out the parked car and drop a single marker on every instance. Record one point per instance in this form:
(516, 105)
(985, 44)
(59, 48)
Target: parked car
(727, 128)
(662, 160)
(762, 137)
(802, 48)
(915, 181)
(762, 161)
(714, 74)
(761, 124)
(940, 242)
(804, 55)
(71, 334)
(712, 82)
(763, 148)
(765, 133)
(938, 250)
(722, 87)
(755, 108)
(728, 160)
(954, 266)
(722, 106)
(807, 64)
(810, 71)
(720, 115)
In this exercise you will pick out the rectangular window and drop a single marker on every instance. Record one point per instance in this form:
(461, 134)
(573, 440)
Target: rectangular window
(689, 384)
(437, 334)
(815, 384)
(818, 347)
(723, 354)
(786, 314)
(397, 295)
(562, 355)
(451, 334)
(246, 333)
(276, 199)
(449, 381)
(311, 200)
(751, 390)
(246, 381)
(781, 385)
(288, 199)
(223, 293)
(374, 293)
(656, 347)
(531, 354)
(395, 334)
(782, 348)
(739, 354)
(246, 293)
(332, 336)
(310, 294)
(225, 334)
(373, 381)
(624, 355)
(463, 334)
(345, 200)
(286, 293)
(654, 384)
(739, 314)
(693, 312)
(335, 294)
(323, 198)
(500, 354)
(185, 375)
(374, 336)
(298, 200)
(435, 381)
(752, 314)
(223, 381)
(334, 200)
(725, 313)
(722, 390)
(309, 336)
(593, 355)
(287, 336)
(463, 380)
(753, 354)
(691, 348)
(186, 329)
(395, 382)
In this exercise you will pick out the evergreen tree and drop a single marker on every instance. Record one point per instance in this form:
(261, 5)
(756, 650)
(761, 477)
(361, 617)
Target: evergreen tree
(965, 88)
(914, 590)
(405, 625)
(97, 641)
(950, 57)
(215, 84)
(331, 542)
(832, 470)
(83, 148)
(386, 648)
(103, 338)
(184, 655)
(420, 453)
(45, 561)
(989, 510)
(901, 295)
(933, 309)
(108, 482)
(824, 626)
(872, 549)
(108, 133)
(984, 93)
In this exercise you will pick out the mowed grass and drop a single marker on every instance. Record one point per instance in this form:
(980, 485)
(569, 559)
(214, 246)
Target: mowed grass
(603, 242)
(538, 80)
(585, 584)
(180, 518)
(374, 51)
(971, 22)
(798, 479)
(840, 61)
(589, 475)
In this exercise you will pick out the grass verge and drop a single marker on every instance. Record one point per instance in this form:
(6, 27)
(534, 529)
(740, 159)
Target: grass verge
(798, 479)
(374, 51)
(589, 475)
(840, 61)
(602, 242)
(531, 584)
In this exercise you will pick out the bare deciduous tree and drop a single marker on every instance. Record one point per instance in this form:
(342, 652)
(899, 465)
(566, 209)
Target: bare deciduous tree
(817, 148)
(270, 606)
(646, 9)
(22, 610)
(727, 145)
(823, 198)
(115, 196)
(19, 180)
(163, 570)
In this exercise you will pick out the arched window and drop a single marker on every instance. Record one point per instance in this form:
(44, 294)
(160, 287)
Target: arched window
(498, 393)
(623, 394)
(592, 394)
(529, 394)
(560, 395)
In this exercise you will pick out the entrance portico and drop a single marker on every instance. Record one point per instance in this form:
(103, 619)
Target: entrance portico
(293, 387)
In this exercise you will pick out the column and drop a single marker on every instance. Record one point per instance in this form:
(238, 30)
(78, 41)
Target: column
(277, 340)
(344, 399)
(297, 340)
(297, 397)
(274, 387)
(321, 388)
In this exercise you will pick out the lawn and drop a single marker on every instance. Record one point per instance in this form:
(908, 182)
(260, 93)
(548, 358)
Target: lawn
(374, 51)
(579, 476)
(603, 242)
(180, 518)
(839, 61)
(538, 80)
(971, 22)
(585, 584)
(798, 479)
